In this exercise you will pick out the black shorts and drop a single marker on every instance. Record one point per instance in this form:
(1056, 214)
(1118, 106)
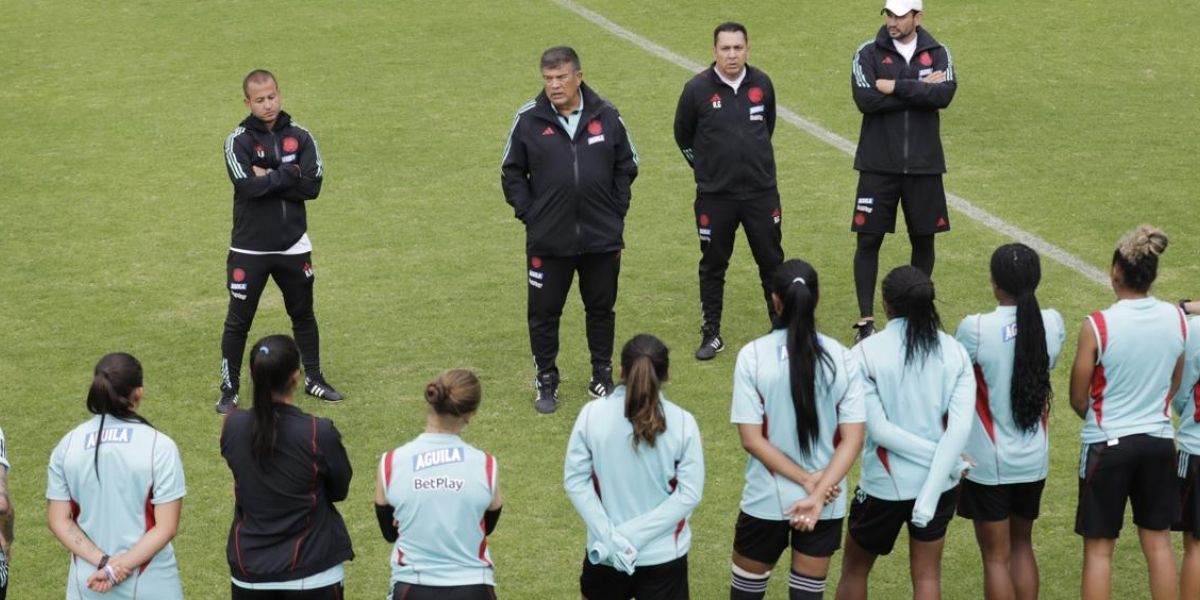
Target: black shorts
(920, 196)
(875, 523)
(1188, 472)
(329, 592)
(1139, 468)
(980, 502)
(763, 540)
(668, 581)
(412, 591)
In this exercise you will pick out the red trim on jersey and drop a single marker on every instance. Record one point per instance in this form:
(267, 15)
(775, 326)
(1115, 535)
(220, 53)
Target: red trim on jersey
(312, 495)
(679, 528)
(882, 453)
(1101, 329)
(237, 546)
(483, 543)
(75, 510)
(837, 437)
(490, 468)
(1196, 403)
(1099, 382)
(982, 407)
(1182, 322)
(387, 468)
(150, 521)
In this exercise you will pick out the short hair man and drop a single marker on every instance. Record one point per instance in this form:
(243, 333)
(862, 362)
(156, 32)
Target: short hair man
(275, 167)
(901, 79)
(567, 171)
(723, 125)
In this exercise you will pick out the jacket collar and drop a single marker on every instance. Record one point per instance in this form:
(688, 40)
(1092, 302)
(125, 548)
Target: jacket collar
(925, 40)
(711, 74)
(253, 122)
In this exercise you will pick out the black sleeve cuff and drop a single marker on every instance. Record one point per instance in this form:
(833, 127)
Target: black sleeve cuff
(490, 518)
(387, 523)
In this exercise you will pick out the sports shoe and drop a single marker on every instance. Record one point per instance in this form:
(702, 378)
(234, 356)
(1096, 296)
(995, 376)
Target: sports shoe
(546, 401)
(710, 344)
(863, 329)
(601, 384)
(228, 401)
(317, 387)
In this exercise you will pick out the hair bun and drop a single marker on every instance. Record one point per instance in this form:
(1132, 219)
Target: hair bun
(1142, 242)
(434, 392)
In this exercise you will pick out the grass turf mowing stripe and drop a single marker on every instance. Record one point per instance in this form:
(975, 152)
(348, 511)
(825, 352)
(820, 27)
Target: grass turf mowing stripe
(960, 204)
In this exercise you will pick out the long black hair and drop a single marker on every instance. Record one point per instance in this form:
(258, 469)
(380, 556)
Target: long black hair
(909, 293)
(645, 361)
(1137, 255)
(1017, 270)
(114, 380)
(273, 361)
(795, 283)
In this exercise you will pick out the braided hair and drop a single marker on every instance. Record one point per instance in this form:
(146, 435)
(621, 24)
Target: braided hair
(1016, 269)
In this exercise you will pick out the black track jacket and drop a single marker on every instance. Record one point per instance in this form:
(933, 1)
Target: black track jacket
(285, 526)
(572, 194)
(268, 211)
(726, 136)
(901, 132)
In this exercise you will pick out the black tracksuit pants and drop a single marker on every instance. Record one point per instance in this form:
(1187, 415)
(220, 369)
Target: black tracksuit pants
(549, 281)
(717, 220)
(246, 277)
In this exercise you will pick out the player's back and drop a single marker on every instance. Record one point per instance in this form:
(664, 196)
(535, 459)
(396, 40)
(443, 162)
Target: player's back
(440, 487)
(1139, 342)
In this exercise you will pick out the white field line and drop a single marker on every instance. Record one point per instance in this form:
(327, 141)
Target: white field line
(959, 203)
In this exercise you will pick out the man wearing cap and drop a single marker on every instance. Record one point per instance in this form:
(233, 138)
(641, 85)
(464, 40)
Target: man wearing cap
(723, 126)
(901, 79)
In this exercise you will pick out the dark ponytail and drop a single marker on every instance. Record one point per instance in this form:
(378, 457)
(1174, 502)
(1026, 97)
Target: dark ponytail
(1017, 270)
(455, 392)
(644, 364)
(114, 381)
(909, 293)
(795, 283)
(273, 361)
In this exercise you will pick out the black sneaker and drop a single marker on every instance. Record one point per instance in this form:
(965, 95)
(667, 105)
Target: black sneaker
(546, 401)
(863, 330)
(710, 344)
(228, 401)
(317, 387)
(601, 384)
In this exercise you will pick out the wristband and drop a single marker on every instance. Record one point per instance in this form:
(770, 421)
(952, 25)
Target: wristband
(1183, 305)
(103, 562)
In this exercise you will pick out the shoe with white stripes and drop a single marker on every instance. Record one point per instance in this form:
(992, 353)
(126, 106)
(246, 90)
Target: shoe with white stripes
(710, 344)
(228, 401)
(317, 387)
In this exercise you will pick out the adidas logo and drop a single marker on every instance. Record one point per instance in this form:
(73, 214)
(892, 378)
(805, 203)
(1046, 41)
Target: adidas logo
(887, 60)
(549, 130)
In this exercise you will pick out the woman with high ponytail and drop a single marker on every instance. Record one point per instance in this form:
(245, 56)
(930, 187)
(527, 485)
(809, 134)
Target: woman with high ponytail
(287, 541)
(920, 390)
(437, 499)
(1128, 365)
(115, 490)
(798, 406)
(1013, 349)
(634, 471)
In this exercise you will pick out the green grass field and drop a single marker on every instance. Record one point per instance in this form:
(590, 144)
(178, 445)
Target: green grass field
(1071, 121)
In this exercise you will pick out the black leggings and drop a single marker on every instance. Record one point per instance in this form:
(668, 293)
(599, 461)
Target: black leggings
(410, 591)
(866, 265)
(329, 592)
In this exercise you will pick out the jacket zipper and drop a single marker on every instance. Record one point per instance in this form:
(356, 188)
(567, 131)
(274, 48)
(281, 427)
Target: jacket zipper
(282, 203)
(906, 142)
(575, 166)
